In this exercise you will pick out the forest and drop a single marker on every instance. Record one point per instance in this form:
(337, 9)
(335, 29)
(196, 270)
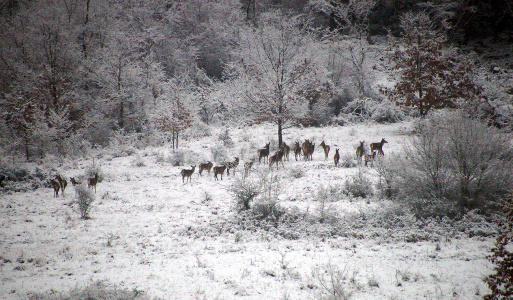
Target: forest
(256, 149)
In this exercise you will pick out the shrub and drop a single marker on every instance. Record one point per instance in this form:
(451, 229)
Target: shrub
(244, 190)
(225, 137)
(297, 172)
(177, 158)
(387, 112)
(359, 185)
(138, 161)
(219, 153)
(347, 161)
(501, 282)
(96, 290)
(84, 200)
(461, 161)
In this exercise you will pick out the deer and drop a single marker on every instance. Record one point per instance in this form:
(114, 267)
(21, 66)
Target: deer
(336, 157)
(360, 151)
(232, 166)
(187, 173)
(297, 150)
(369, 158)
(56, 186)
(205, 167)
(247, 166)
(326, 149)
(286, 150)
(74, 181)
(276, 159)
(308, 149)
(62, 182)
(91, 182)
(263, 153)
(378, 147)
(219, 170)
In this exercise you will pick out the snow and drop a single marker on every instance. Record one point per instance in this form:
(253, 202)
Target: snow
(139, 235)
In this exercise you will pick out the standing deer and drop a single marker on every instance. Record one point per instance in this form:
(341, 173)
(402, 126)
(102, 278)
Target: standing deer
(91, 182)
(264, 152)
(62, 182)
(369, 158)
(205, 166)
(297, 150)
(336, 157)
(56, 186)
(360, 150)
(219, 170)
(276, 159)
(378, 147)
(232, 166)
(326, 149)
(187, 173)
(308, 149)
(247, 167)
(286, 150)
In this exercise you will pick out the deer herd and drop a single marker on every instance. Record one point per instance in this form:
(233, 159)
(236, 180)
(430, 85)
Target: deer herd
(306, 150)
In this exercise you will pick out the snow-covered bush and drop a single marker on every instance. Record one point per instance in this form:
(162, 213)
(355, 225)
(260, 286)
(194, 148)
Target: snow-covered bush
(347, 161)
(95, 290)
(138, 161)
(387, 112)
(456, 159)
(297, 172)
(198, 130)
(359, 185)
(84, 200)
(219, 153)
(225, 137)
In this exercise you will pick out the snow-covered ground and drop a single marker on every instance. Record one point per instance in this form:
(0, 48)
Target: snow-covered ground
(147, 231)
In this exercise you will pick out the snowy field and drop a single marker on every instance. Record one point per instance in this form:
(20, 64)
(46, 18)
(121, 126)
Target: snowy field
(149, 231)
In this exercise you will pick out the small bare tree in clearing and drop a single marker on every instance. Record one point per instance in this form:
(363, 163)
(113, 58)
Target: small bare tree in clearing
(172, 117)
(274, 64)
(84, 200)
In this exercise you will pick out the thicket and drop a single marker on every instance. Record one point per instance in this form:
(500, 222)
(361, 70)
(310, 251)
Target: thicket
(453, 163)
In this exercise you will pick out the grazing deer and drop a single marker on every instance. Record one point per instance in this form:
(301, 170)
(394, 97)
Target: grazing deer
(232, 166)
(308, 149)
(378, 147)
(276, 159)
(264, 152)
(336, 157)
(360, 150)
(326, 149)
(205, 166)
(187, 173)
(62, 182)
(56, 186)
(74, 181)
(247, 166)
(286, 150)
(91, 182)
(369, 158)
(297, 150)
(219, 170)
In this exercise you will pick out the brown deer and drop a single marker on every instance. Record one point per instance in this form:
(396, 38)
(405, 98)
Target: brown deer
(91, 182)
(263, 153)
(276, 159)
(187, 173)
(369, 158)
(308, 149)
(205, 167)
(360, 151)
(297, 150)
(56, 186)
(326, 149)
(74, 181)
(336, 157)
(219, 170)
(378, 147)
(286, 150)
(62, 182)
(232, 166)
(247, 167)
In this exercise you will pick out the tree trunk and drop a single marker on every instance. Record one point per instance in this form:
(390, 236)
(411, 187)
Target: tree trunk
(280, 132)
